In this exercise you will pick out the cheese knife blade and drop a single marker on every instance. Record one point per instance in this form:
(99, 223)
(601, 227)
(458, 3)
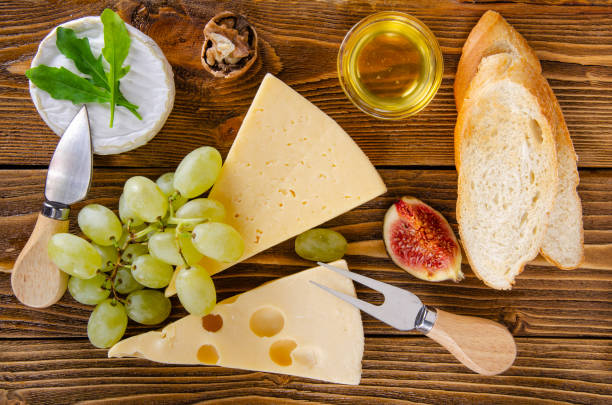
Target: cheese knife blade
(69, 174)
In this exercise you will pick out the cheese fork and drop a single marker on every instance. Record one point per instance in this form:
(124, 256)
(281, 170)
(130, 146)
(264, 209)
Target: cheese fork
(482, 345)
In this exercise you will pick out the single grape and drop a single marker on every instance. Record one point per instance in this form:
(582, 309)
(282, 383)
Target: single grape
(107, 323)
(198, 171)
(218, 241)
(191, 254)
(196, 290)
(148, 307)
(99, 224)
(74, 255)
(163, 246)
(202, 208)
(133, 251)
(109, 256)
(126, 214)
(320, 245)
(91, 291)
(125, 282)
(151, 272)
(165, 183)
(144, 199)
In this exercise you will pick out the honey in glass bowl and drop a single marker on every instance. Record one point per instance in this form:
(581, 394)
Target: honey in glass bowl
(390, 65)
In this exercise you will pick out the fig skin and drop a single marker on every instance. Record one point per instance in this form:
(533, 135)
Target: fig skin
(420, 240)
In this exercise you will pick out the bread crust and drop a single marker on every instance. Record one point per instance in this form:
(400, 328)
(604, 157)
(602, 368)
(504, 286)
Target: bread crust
(500, 67)
(491, 35)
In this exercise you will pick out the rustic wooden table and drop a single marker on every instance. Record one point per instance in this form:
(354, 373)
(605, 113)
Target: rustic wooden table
(562, 320)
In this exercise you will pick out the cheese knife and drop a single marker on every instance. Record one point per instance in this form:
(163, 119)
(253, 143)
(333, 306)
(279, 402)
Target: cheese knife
(35, 280)
(482, 345)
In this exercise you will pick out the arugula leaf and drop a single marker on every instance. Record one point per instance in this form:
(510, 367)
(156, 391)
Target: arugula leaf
(79, 51)
(116, 48)
(62, 84)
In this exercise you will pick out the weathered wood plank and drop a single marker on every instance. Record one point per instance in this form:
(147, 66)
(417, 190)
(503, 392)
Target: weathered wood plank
(407, 369)
(545, 301)
(299, 43)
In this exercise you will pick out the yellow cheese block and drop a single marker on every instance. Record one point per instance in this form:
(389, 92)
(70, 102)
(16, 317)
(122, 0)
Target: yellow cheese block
(291, 168)
(287, 326)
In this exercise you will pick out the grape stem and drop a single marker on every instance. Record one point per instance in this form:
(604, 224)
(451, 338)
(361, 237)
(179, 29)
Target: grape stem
(152, 227)
(177, 235)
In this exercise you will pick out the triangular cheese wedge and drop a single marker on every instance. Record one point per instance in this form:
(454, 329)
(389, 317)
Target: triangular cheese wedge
(287, 326)
(290, 168)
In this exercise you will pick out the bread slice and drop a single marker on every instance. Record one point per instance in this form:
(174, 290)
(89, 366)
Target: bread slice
(505, 148)
(563, 243)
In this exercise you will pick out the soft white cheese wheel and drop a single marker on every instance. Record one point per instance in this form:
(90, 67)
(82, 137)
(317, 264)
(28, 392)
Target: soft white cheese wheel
(149, 84)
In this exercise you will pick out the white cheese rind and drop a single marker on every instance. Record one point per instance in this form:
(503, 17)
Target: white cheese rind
(327, 331)
(149, 84)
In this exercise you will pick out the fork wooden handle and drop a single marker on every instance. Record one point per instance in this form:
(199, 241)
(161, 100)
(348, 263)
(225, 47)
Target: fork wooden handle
(482, 345)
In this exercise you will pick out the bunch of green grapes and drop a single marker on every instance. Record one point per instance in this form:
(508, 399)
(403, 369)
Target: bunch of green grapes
(162, 229)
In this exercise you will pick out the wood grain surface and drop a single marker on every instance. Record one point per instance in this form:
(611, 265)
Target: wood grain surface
(299, 43)
(562, 320)
(395, 370)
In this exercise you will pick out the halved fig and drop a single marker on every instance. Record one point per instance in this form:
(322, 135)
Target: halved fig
(420, 240)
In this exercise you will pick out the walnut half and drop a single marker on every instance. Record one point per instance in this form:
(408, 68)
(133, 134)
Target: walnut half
(230, 45)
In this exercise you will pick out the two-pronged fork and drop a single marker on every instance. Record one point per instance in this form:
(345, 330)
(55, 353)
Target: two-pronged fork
(482, 345)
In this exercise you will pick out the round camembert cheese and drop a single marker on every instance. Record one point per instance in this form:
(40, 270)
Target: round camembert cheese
(149, 84)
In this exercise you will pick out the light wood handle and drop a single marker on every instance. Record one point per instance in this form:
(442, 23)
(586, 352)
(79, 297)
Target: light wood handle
(36, 281)
(484, 346)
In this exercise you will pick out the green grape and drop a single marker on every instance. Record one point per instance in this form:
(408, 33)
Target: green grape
(144, 199)
(126, 214)
(99, 224)
(133, 251)
(165, 183)
(191, 254)
(107, 323)
(197, 172)
(151, 272)
(196, 290)
(163, 246)
(218, 241)
(204, 208)
(125, 283)
(74, 255)
(91, 291)
(109, 256)
(148, 307)
(320, 245)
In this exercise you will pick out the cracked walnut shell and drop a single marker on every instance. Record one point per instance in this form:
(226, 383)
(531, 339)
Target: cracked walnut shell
(230, 45)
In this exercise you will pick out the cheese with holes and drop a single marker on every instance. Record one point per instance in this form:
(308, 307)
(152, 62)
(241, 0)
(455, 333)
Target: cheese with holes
(149, 84)
(287, 326)
(291, 168)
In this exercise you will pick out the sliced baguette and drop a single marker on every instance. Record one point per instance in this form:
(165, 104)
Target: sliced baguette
(504, 146)
(563, 243)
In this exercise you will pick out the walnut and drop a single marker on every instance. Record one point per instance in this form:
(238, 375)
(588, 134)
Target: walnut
(230, 45)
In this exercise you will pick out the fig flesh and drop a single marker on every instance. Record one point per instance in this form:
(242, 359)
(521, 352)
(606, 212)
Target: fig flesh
(420, 240)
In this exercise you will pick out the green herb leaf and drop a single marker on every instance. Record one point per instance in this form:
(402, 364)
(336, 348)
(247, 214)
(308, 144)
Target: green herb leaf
(62, 84)
(79, 51)
(116, 48)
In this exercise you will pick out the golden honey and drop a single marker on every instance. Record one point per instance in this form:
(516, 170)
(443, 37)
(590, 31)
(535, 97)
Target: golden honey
(390, 65)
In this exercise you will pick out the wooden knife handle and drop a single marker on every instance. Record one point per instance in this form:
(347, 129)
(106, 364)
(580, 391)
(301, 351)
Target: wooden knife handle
(482, 345)
(36, 281)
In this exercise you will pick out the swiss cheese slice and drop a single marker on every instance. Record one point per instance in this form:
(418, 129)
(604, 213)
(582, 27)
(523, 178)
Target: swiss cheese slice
(287, 326)
(290, 168)
(149, 84)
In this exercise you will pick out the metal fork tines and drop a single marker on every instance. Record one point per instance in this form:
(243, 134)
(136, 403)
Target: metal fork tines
(400, 309)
